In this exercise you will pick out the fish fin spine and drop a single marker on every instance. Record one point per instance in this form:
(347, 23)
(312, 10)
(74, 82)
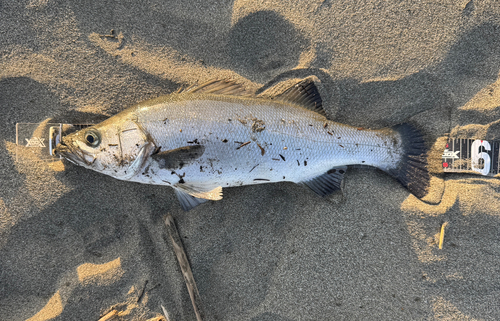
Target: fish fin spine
(306, 94)
(220, 87)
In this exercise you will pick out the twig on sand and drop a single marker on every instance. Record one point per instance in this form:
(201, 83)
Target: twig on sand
(184, 264)
(165, 313)
(109, 316)
(441, 235)
(141, 294)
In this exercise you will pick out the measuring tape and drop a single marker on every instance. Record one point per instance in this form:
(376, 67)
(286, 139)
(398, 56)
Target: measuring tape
(471, 155)
(42, 138)
(461, 155)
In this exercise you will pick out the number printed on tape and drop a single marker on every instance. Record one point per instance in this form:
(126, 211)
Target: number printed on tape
(473, 156)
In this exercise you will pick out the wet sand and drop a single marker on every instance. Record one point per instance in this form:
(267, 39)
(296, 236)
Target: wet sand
(75, 244)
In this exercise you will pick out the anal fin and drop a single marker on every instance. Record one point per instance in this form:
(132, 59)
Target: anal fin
(328, 182)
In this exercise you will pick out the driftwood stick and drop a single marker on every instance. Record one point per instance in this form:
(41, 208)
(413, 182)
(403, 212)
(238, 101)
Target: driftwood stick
(184, 264)
(142, 291)
(165, 313)
(110, 315)
(441, 235)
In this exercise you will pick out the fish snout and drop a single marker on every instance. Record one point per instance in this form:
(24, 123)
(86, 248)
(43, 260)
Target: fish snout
(60, 149)
(65, 149)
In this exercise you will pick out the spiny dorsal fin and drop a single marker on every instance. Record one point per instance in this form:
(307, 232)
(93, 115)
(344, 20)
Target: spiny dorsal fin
(220, 87)
(304, 94)
(327, 183)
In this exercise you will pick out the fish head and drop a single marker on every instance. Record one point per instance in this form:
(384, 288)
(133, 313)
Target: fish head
(117, 147)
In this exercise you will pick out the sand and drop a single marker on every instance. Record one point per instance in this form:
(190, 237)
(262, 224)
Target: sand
(75, 245)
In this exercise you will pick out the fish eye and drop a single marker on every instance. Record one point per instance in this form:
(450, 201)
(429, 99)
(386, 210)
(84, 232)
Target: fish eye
(92, 138)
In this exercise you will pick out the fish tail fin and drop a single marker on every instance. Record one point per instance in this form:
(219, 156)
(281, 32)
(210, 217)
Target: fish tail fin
(412, 170)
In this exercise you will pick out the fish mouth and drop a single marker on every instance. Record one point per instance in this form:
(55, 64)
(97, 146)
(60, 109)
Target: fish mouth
(73, 154)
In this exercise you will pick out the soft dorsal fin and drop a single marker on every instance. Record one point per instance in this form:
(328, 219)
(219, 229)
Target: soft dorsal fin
(328, 182)
(220, 87)
(305, 94)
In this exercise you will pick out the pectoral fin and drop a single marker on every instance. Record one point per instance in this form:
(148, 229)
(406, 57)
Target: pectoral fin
(179, 157)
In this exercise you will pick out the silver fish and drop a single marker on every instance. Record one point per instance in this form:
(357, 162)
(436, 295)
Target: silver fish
(216, 135)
